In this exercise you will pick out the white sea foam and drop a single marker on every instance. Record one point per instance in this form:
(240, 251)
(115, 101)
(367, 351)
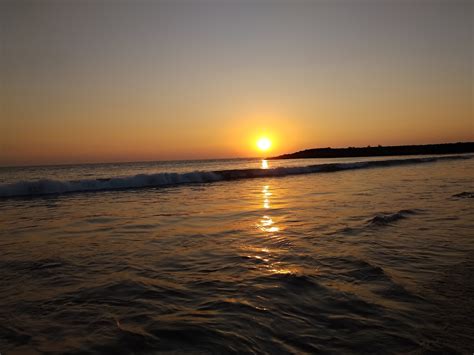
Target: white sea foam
(48, 186)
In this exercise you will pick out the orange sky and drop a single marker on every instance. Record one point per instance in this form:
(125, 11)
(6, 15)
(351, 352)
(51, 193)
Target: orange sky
(105, 81)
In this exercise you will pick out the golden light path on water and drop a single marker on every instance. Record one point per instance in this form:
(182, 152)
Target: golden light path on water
(266, 225)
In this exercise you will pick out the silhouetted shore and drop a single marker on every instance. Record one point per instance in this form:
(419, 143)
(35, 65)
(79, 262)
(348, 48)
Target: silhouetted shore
(428, 149)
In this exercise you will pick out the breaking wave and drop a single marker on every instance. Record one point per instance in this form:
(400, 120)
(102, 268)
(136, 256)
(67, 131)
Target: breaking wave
(48, 186)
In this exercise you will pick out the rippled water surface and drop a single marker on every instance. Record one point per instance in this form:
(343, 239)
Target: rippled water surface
(376, 260)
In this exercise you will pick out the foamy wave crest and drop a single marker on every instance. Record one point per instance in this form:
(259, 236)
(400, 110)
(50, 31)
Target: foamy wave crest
(47, 187)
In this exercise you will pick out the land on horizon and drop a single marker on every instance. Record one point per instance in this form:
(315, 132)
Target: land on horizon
(426, 149)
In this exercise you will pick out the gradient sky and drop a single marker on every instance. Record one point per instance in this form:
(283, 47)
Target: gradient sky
(91, 81)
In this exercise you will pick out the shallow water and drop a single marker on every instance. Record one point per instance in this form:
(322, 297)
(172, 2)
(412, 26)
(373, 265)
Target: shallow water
(373, 260)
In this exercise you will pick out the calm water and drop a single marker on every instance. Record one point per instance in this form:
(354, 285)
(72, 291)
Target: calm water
(348, 259)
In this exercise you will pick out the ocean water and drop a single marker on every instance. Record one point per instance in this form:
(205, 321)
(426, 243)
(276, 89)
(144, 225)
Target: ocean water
(355, 255)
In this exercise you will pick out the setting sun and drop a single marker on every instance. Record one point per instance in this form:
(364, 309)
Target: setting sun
(264, 144)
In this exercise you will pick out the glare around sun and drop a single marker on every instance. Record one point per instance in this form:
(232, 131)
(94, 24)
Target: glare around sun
(264, 144)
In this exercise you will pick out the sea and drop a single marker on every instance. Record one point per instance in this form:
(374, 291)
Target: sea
(243, 256)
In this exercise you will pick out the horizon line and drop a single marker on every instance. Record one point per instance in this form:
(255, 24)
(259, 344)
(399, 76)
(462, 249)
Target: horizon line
(210, 159)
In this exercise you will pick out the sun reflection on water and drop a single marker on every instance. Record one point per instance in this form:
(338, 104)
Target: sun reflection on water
(264, 164)
(266, 197)
(267, 225)
(267, 259)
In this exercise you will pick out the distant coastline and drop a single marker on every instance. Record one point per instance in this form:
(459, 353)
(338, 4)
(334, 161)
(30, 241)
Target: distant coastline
(428, 149)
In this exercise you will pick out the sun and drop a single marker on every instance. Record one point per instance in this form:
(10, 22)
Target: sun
(264, 144)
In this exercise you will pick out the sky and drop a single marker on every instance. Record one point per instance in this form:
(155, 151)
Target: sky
(99, 81)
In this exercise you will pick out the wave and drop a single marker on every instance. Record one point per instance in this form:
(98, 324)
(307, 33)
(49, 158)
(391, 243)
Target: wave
(48, 186)
(383, 219)
(465, 194)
